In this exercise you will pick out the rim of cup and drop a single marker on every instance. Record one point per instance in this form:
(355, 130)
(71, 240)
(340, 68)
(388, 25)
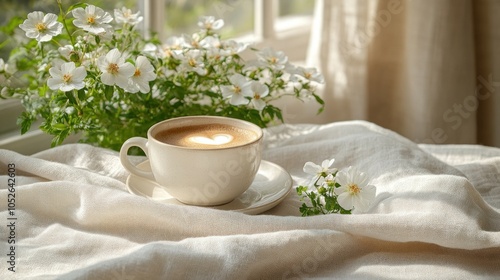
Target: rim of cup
(225, 120)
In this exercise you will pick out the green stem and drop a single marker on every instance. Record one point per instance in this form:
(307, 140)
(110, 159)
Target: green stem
(41, 49)
(63, 15)
(272, 98)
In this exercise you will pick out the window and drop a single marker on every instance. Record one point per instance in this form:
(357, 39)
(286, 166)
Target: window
(281, 24)
(295, 7)
(181, 16)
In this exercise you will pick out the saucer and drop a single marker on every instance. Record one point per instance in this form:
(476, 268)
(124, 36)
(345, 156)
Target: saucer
(270, 186)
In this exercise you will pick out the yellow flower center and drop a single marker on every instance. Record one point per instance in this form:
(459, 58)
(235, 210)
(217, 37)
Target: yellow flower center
(308, 75)
(90, 19)
(113, 68)
(237, 90)
(41, 27)
(273, 60)
(66, 78)
(256, 96)
(137, 72)
(354, 189)
(192, 62)
(168, 52)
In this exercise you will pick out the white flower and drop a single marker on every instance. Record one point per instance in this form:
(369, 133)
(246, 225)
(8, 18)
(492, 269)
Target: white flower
(210, 23)
(173, 46)
(114, 69)
(310, 74)
(354, 191)
(144, 73)
(56, 62)
(232, 47)
(150, 48)
(125, 16)
(319, 170)
(41, 27)
(92, 19)
(259, 90)
(9, 68)
(66, 77)
(327, 181)
(69, 110)
(215, 54)
(192, 41)
(210, 42)
(69, 53)
(274, 59)
(239, 89)
(66, 51)
(191, 61)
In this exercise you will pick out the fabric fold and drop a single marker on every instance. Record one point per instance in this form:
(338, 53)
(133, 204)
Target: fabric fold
(435, 215)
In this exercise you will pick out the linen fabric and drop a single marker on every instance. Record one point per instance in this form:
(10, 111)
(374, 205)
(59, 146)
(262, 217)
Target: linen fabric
(436, 215)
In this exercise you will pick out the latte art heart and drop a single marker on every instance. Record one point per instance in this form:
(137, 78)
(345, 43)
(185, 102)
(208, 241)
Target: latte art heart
(217, 139)
(207, 136)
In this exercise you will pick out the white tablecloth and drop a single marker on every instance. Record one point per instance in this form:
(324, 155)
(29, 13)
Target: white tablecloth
(436, 216)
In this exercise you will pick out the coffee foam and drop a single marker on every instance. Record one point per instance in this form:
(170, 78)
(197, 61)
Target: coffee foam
(207, 136)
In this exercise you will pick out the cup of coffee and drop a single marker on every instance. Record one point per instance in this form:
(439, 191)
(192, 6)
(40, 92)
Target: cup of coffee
(200, 160)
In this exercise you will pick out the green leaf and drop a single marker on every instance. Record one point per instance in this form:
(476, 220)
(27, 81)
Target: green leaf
(59, 126)
(25, 121)
(59, 138)
(108, 92)
(70, 97)
(81, 94)
(301, 190)
(330, 203)
(320, 101)
(12, 25)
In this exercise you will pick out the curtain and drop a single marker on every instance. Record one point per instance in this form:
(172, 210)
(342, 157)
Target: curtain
(426, 69)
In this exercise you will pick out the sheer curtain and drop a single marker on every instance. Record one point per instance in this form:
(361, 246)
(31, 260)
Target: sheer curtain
(428, 70)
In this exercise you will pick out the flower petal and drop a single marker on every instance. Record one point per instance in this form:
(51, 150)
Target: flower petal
(311, 168)
(238, 79)
(126, 70)
(54, 83)
(238, 99)
(113, 56)
(345, 201)
(107, 79)
(259, 104)
(227, 91)
(79, 73)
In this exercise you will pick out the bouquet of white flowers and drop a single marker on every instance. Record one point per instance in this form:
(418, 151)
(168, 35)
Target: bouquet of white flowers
(85, 71)
(332, 191)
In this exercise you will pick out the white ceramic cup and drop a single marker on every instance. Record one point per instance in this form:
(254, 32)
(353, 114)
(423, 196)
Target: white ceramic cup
(197, 176)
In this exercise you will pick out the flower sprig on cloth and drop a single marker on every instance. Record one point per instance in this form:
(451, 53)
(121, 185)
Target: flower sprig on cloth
(87, 71)
(332, 191)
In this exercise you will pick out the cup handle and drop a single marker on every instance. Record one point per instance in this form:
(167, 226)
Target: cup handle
(142, 144)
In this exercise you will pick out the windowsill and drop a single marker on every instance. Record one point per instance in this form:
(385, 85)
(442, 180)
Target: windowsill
(31, 142)
(11, 109)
